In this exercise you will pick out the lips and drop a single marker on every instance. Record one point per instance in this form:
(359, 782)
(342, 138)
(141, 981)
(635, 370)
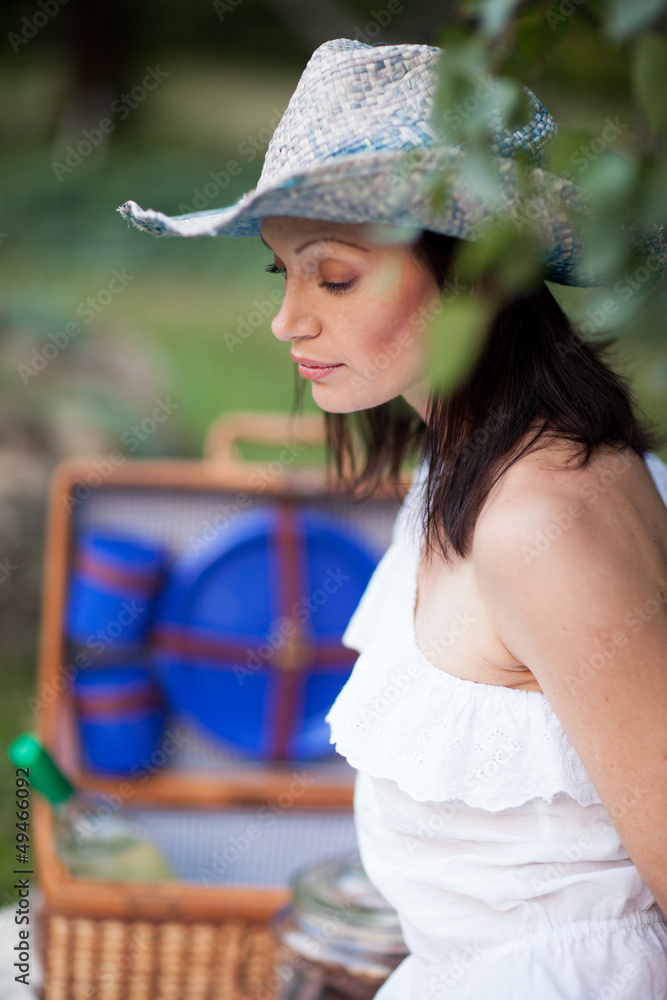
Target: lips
(315, 370)
(310, 363)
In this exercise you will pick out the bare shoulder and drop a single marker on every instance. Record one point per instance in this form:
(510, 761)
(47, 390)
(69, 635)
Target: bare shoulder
(571, 566)
(546, 512)
(546, 495)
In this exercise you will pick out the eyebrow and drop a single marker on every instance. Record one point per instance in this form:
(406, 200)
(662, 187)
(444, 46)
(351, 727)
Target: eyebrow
(320, 239)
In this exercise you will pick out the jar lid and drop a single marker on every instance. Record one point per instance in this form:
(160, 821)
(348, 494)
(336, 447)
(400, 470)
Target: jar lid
(335, 897)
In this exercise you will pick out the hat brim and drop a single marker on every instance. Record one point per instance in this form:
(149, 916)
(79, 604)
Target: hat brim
(391, 188)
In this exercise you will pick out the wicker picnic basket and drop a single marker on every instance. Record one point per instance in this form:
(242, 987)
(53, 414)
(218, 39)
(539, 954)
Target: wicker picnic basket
(204, 935)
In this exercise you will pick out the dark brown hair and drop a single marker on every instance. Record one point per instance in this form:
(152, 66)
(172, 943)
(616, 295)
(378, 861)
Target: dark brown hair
(534, 375)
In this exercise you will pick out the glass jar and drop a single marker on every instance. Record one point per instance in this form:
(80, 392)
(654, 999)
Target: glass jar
(338, 939)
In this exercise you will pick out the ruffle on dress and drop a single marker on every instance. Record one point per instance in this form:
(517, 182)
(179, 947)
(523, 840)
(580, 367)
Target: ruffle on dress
(440, 737)
(437, 736)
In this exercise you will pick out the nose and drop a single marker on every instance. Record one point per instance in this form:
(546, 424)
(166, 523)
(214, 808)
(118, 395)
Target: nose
(294, 319)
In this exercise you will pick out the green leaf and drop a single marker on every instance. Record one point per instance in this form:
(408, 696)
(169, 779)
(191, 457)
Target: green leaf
(514, 259)
(652, 187)
(649, 77)
(496, 14)
(534, 36)
(604, 244)
(609, 178)
(626, 17)
(457, 335)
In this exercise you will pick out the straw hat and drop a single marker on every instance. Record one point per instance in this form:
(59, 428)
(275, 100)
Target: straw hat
(357, 143)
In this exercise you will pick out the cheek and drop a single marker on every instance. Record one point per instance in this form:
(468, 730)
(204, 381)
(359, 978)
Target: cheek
(397, 329)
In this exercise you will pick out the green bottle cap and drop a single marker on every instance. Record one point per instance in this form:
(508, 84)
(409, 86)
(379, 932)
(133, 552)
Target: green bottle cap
(26, 751)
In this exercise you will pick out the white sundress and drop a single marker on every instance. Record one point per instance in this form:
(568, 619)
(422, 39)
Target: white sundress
(477, 821)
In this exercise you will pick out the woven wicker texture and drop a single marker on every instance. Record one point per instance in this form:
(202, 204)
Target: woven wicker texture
(117, 960)
(350, 100)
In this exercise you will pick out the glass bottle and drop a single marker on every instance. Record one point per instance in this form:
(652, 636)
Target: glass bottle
(339, 938)
(92, 838)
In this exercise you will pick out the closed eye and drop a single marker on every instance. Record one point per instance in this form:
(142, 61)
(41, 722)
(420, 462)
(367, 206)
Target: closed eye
(337, 287)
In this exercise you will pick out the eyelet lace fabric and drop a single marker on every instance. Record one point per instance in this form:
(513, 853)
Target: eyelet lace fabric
(440, 737)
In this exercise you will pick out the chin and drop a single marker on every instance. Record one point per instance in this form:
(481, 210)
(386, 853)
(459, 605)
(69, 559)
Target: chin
(345, 406)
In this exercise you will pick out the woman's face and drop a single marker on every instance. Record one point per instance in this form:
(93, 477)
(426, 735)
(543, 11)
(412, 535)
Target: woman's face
(358, 306)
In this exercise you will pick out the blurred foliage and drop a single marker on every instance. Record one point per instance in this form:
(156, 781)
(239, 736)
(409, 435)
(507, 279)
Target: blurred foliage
(264, 33)
(601, 69)
(457, 336)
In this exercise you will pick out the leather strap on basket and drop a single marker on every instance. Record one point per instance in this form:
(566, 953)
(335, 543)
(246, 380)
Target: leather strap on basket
(181, 640)
(101, 572)
(91, 705)
(290, 662)
(295, 654)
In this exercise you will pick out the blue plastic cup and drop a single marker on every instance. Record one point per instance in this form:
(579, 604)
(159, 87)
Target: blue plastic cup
(115, 581)
(121, 719)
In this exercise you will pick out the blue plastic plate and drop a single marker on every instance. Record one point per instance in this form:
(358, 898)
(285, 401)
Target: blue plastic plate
(228, 614)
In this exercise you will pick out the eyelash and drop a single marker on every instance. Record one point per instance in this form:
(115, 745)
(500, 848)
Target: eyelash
(336, 287)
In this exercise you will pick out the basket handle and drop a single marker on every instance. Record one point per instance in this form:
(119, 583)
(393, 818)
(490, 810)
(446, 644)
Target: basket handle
(225, 433)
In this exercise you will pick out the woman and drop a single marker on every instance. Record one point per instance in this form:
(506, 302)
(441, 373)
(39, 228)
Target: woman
(506, 714)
